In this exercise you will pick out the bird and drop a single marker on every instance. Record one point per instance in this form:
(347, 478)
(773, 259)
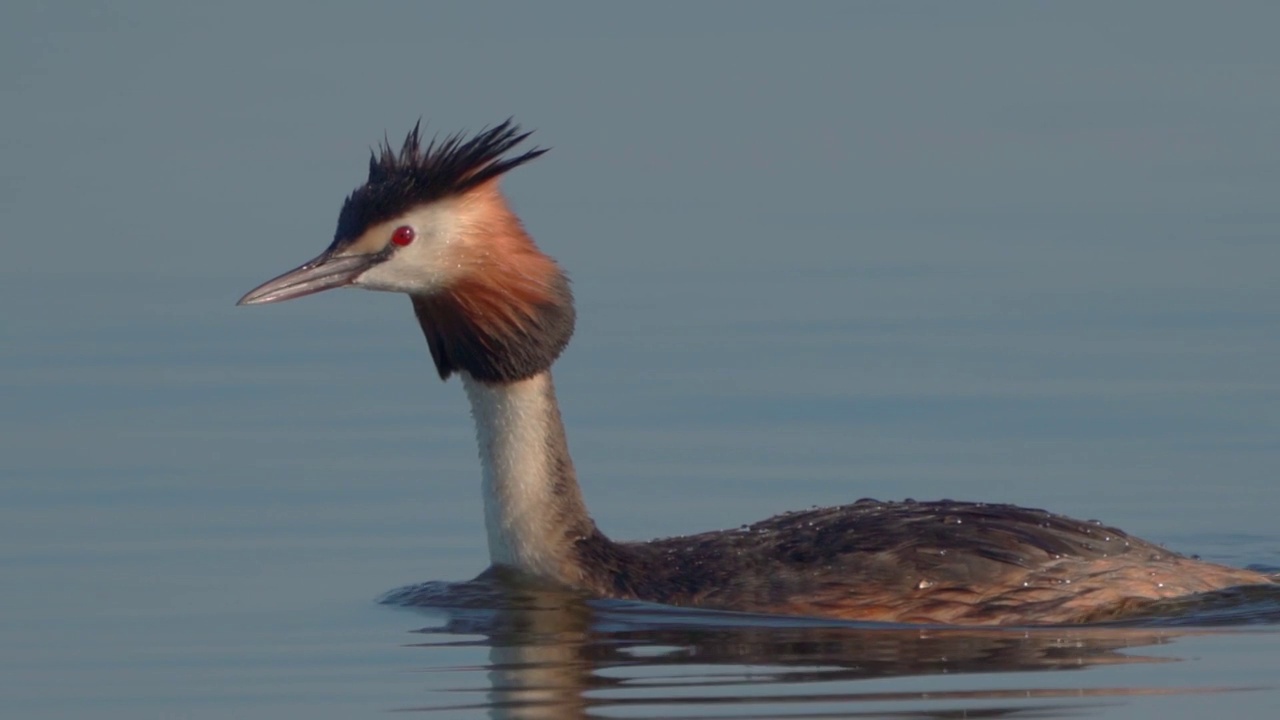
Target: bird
(431, 222)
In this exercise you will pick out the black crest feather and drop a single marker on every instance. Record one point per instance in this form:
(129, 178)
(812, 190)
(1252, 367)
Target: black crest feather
(417, 175)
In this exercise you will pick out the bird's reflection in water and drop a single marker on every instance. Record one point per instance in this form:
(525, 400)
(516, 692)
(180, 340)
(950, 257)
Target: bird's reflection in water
(556, 654)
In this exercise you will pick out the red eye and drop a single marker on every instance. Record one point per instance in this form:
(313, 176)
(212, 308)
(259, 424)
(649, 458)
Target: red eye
(403, 235)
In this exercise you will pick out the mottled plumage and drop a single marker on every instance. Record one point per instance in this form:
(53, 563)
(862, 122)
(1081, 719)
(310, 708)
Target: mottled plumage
(940, 562)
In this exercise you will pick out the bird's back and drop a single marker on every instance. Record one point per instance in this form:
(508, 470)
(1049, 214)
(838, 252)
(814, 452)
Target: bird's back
(942, 562)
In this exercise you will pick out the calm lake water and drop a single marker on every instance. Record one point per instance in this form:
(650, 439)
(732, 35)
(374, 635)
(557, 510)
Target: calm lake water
(1017, 253)
(200, 527)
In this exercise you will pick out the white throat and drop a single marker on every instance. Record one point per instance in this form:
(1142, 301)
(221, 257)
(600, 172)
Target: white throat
(532, 504)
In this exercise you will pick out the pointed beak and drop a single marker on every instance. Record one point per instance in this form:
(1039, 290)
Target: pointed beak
(325, 272)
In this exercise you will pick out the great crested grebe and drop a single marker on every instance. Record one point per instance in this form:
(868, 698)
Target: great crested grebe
(432, 223)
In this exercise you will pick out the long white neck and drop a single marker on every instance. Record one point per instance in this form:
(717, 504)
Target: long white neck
(533, 508)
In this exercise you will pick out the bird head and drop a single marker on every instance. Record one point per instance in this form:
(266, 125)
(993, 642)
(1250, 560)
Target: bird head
(432, 223)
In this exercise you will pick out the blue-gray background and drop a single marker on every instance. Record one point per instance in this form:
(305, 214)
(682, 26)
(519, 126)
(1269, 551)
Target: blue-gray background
(1019, 252)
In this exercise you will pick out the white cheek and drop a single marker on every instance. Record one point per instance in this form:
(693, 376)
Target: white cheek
(428, 263)
(419, 268)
